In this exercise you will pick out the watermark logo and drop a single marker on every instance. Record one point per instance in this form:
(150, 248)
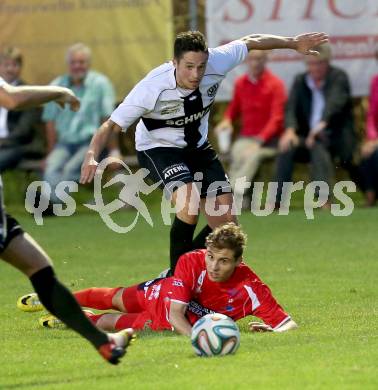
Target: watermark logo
(133, 185)
(317, 194)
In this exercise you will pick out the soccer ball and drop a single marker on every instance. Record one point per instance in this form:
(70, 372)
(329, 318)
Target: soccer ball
(215, 334)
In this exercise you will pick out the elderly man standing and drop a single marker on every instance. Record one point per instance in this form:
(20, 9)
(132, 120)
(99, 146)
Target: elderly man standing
(69, 133)
(259, 100)
(319, 122)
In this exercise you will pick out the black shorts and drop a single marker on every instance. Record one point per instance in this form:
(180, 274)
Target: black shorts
(9, 229)
(173, 167)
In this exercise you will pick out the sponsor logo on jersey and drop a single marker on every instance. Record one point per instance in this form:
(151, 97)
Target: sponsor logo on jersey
(198, 309)
(169, 110)
(213, 90)
(171, 171)
(182, 121)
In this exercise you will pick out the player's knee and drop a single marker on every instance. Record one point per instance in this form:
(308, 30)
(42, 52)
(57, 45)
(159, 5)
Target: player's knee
(117, 299)
(187, 199)
(107, 322)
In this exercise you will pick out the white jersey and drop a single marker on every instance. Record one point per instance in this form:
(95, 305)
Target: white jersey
(169, 117)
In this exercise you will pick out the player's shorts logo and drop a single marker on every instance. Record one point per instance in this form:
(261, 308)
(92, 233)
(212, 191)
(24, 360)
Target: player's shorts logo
(175, 170)
(213, 90)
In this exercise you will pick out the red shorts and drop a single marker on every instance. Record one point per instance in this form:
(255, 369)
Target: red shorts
(148, 305)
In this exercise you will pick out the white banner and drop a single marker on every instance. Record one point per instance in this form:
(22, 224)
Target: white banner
(351, 24)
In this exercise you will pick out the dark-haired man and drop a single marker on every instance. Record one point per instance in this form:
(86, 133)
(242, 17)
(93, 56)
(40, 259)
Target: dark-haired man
(20, 250)
(205, 281)
(173, 103)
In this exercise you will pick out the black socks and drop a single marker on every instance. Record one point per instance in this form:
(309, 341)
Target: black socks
(181, 240)
(59, 301)
(200, 241)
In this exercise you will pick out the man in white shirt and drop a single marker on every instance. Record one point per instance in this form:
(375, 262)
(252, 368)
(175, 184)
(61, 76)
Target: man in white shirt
(172, 104)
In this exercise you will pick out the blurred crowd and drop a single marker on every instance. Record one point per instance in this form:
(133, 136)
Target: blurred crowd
(312, 123)
(58, 138)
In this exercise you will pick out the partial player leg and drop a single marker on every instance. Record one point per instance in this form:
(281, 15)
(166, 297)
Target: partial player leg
(124, 299)
(216, 193)
(222, 201)
(100, 298)
(113, 321)
(199, 241)
(186, 200)
(26, 255)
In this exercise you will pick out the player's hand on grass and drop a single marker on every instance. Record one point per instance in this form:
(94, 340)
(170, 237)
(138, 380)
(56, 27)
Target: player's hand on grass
(259, 327)
(88, 168)
(68, 97)
(305, 43)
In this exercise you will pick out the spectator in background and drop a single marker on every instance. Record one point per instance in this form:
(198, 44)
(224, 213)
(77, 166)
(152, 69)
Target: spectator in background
(369, 151)
(319, 122)
(69, 133)
(16, 127)
(259, 100)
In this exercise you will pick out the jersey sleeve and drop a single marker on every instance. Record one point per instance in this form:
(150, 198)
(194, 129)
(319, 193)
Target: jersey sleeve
(226, 57)
(2, 82)
(137, 103)
(264, 305)
(184, 269)
(179, 292)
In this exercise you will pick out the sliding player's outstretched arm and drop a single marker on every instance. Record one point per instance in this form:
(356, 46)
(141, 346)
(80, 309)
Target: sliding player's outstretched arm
(178, 320)
(303, 43)
(99, 141)
(261, 327)
(22, 97)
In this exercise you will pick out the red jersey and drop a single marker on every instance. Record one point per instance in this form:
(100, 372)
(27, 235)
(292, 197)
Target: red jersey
(242, 295)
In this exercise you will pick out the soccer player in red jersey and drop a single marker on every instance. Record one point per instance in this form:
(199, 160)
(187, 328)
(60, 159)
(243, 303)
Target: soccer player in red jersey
(205, 281)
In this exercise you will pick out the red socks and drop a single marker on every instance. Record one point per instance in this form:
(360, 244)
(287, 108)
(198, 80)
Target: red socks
(96, 298)
(101, 299)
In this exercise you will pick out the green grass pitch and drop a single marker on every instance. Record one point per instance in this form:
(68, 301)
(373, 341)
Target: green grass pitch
(324, 272)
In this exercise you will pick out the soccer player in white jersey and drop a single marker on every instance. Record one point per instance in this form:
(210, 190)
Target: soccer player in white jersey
(172, 104)
(20, 250)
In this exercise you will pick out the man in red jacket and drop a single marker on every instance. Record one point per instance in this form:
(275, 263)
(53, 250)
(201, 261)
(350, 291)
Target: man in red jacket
(259, 101)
